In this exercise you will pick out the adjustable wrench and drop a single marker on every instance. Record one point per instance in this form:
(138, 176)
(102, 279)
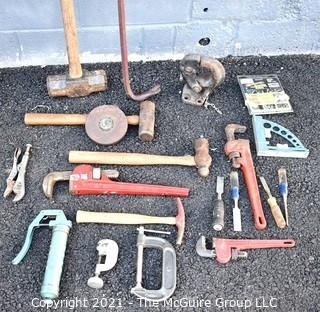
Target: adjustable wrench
(239, 153)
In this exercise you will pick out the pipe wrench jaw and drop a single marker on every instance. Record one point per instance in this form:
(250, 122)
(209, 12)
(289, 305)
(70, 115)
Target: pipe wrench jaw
(236, 151)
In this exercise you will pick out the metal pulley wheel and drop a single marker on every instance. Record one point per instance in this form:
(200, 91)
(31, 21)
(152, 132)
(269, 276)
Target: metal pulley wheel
(106, 124)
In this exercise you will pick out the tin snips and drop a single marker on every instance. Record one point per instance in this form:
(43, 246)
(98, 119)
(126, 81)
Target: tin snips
(16, 178)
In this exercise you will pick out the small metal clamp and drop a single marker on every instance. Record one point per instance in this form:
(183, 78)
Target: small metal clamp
(108, 255)
(16, 178)
(169, 269)
(202, 75)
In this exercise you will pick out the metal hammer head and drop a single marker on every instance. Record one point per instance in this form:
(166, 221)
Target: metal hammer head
(202, 158)
(231, 129)
(64, 85)
(180, 221)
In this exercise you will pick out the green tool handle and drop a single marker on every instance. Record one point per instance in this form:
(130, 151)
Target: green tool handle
(276, 212)
(218, 215)
(52, 276)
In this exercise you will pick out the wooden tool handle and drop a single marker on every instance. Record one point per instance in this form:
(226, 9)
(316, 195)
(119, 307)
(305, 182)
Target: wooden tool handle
(134, 159)
(276, 212)
(38, 119)
(70, 31)
(133, 120)
(121, 218)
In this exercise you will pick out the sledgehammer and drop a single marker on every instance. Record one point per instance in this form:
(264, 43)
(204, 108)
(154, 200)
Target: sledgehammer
(131, 218)
(77, 82)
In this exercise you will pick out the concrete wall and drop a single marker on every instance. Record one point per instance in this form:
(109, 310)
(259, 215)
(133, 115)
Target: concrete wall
(31, 31)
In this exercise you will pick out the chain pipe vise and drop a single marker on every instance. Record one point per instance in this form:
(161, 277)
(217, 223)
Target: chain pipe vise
(202, 75)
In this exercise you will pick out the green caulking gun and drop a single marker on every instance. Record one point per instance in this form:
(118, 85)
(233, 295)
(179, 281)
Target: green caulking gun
(57, 221)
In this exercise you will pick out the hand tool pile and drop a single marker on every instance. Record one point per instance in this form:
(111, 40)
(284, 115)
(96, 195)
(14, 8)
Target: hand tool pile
(107, 124)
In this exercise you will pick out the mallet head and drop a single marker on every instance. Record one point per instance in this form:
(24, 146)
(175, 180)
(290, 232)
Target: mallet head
(64, 85)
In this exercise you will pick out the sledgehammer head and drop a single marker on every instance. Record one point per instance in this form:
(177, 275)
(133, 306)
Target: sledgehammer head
(64, 85)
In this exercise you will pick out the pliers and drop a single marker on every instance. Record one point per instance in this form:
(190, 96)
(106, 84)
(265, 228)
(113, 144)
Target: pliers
(16, 178)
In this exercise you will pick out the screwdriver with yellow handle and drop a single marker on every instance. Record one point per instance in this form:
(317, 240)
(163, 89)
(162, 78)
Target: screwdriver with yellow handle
(275, 209)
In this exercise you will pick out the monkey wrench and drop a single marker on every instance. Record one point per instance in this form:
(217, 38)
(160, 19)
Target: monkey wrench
(239, 153)
(225, 250)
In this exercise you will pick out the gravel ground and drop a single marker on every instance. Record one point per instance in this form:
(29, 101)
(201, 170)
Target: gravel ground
(291, 276)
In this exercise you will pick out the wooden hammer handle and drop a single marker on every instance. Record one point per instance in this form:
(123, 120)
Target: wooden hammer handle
(70, 31)
(134, 159)
(39, 119)
(121, 218)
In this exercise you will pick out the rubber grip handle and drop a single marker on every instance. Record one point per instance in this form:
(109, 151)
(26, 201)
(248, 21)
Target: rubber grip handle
(218, 215)
(276, 212)
(52, 276)
(39, 119)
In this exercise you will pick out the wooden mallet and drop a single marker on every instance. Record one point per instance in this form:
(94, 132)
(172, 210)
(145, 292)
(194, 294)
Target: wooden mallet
(105, 124)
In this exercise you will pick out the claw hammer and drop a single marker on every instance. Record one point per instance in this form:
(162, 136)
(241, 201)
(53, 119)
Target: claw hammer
(239, 153)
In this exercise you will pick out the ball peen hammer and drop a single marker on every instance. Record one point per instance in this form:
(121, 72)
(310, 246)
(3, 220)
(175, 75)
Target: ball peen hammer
(239, 153)
(131, 218)
(77, 82)
(201, 160)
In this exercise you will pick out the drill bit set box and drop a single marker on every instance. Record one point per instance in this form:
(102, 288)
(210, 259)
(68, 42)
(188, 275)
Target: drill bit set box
(107, 125)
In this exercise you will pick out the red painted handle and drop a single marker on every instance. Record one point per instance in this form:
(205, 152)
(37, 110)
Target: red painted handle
(245, 160)
(83, 183)
(223, 247)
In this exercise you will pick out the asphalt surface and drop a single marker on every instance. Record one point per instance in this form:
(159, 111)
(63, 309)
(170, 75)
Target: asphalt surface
(285, 278)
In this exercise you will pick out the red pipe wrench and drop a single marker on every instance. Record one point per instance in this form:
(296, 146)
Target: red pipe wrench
(225, 250)
(86, 180)
(239, 153)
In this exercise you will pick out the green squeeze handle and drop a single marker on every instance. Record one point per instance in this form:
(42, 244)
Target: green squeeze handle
(57, 221)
